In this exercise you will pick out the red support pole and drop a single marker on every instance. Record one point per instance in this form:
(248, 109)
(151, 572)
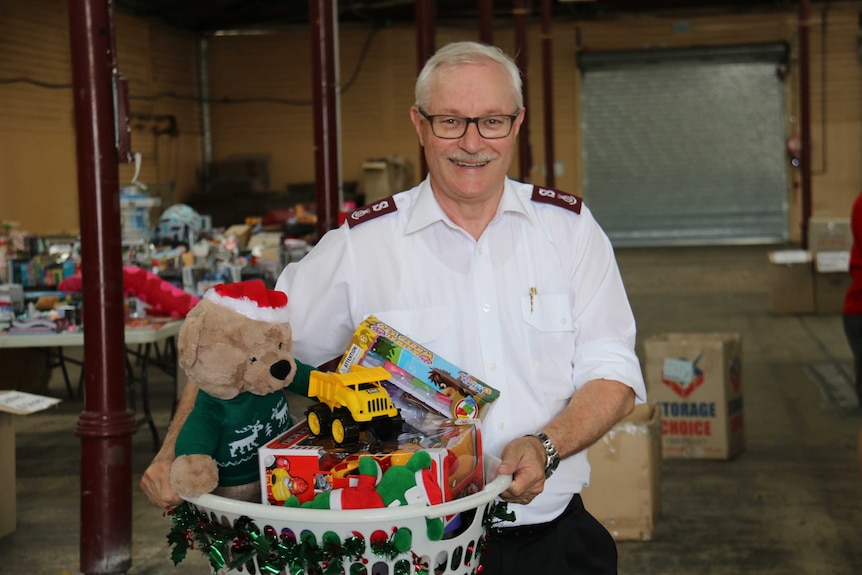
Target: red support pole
(525, 160)
(325, 121)
(548, 93)
(106, 425)
(424, 15)
(805, 113)
(486, 21)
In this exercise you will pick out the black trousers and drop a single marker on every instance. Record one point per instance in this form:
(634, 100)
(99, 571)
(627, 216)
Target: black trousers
(853, 331)
(575, 543)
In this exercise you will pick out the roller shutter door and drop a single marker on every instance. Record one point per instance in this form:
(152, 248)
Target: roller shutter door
(686, 146)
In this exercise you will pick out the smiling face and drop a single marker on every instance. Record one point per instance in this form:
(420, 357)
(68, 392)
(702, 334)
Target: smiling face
(470, 169)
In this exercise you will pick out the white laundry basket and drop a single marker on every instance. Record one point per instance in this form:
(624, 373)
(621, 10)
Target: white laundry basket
(260, 539)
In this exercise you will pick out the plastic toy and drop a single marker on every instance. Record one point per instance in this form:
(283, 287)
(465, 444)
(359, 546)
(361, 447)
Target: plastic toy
(413, 483)
(351, 402)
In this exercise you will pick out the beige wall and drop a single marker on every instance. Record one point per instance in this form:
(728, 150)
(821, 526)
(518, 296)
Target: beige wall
(38, 181)
(37, 163)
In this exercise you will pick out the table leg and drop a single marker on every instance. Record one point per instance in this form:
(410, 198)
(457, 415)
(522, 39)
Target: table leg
(142, 376)
(130, 379)
(145, 395)
(170, 362)
(61, 363)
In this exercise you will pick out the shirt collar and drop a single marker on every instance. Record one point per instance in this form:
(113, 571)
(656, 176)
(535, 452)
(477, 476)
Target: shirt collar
(426, 210)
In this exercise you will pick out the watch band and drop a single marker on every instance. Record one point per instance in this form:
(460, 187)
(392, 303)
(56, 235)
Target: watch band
(552, 456)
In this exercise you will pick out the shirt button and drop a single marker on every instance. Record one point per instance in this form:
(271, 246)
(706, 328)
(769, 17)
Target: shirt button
(563, 321)
(486, 307)
(493, 366)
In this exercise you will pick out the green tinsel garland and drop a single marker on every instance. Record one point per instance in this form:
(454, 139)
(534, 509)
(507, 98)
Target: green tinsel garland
(239, 544)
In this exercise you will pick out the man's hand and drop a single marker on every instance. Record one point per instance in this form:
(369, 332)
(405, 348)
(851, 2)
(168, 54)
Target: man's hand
(156, 481)
(156, 484)
(524, 459)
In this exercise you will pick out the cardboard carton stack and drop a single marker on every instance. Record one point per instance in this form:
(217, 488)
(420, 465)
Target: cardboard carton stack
(13, 404)
(695, 379)
(625, 477)
(382, 177)
(830, 240)
(813, 281)
(791, 282)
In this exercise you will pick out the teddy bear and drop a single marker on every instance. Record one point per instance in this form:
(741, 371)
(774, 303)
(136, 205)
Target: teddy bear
(235, 346)
(412, 483)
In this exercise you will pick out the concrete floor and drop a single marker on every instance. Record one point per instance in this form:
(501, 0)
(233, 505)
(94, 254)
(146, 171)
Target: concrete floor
(790, 504)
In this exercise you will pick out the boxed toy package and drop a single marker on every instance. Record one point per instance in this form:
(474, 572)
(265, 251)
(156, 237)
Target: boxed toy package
(425, 376)
(298, 464)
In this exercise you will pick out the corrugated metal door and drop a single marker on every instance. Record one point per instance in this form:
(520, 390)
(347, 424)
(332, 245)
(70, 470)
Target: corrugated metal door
(686, 146)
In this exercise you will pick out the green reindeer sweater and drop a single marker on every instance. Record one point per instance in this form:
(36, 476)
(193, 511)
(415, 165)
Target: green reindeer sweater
(231, 430)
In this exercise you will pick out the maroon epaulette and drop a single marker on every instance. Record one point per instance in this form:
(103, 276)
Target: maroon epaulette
(371, 211)
(557, 198)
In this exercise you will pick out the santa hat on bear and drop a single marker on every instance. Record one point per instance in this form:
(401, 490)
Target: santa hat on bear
(251, 299)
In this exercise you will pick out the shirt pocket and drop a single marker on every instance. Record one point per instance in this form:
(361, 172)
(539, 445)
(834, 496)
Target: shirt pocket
(548, 313)
(549, 334)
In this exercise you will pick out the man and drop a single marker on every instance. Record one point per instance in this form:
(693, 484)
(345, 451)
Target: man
(513, 283)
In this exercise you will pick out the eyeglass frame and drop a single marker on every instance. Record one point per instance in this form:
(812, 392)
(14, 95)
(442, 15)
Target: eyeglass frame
(469, 121)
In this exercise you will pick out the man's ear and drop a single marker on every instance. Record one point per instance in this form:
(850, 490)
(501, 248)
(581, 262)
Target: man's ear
(519, 120)
(416, 118)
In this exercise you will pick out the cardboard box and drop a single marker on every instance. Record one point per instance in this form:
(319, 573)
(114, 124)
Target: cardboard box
(829, 234)
(431, 379)
(25, 369)
(308, 465)
(241, 232)
(382, 177)
(12, 405)
(624, 493)
(791, 282)
(832, 262)
(829, 292)
(695, 379)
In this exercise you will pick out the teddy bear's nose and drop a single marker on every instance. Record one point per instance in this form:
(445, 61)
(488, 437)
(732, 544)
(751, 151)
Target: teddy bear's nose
(280, 369)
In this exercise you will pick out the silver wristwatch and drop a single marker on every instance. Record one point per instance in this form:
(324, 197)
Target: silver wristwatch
(552, 456)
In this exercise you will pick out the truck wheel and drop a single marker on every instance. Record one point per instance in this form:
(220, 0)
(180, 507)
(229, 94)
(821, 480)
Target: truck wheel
(387, 427)
(345, 431)
(319, 420)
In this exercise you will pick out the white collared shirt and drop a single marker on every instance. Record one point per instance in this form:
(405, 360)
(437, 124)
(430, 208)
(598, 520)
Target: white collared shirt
(535, 308)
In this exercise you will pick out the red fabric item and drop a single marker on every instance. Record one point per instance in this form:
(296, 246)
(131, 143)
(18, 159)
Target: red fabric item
(853, 299)
(73, 284)
(162, 296)
(362, 496)
(254, 290)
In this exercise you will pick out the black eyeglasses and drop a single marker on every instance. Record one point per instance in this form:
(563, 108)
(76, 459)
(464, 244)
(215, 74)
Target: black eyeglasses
(491, 127)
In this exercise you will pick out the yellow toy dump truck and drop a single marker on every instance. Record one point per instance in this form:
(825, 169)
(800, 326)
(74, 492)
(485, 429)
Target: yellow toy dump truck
(352, 402)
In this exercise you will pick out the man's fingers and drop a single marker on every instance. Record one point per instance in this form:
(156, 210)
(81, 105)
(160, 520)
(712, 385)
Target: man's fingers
(156, 485)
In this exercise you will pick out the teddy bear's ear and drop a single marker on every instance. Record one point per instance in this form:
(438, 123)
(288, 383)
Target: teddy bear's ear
(189, 336)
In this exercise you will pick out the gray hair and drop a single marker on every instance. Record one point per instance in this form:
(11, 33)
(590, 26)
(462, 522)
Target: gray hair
(458, 53)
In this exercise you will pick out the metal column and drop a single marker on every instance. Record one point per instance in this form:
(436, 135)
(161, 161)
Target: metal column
(548, 93)
(525, 159)
(424, 14)
(805, 113)
(106, 425)
(325, 122)
(486, 21)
